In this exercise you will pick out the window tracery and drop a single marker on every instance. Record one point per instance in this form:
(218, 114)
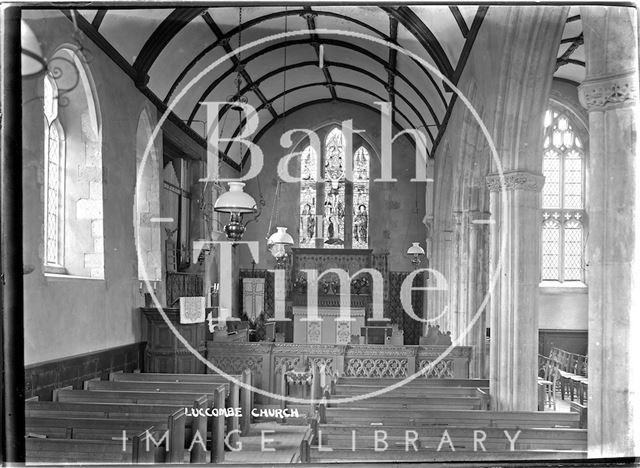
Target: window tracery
(330, 205)
(563, 212)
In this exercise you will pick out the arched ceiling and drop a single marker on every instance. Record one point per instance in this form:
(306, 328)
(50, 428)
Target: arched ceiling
(163, 49)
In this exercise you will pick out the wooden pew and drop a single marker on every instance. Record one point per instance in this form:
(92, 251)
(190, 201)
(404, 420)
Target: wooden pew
(106, 410)
(47, 450)
(413, 390)
(430, 437)
(233, 395)
(580, 410)
(460, 418)
(172, 428)
(245, 393)
(156, 387)
(168, 377)
(420, 381)
(145, 398)
(367, 457)
(304, 452)
(217, 400)
(134, 411)
(350, 390)
(335, 444)
(415, 404)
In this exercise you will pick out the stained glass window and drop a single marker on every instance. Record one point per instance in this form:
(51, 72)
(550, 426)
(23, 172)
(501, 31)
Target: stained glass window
(562, 200)
(360, 199)
(334, 214)
(54, 170)
(334, 190)
(308, 165)
(308, 198)
(330, 205)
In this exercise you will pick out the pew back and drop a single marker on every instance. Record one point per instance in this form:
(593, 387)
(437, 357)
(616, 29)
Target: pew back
(466, 418)
(419, 382)
(48, 450)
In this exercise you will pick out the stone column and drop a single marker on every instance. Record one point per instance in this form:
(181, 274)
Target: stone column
(610, 94)
(515, 106)
(458, 262)
(476, 290)
(515, 259)
(444, 302)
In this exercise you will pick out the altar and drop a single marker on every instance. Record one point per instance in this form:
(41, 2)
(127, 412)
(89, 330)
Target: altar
(330, 329)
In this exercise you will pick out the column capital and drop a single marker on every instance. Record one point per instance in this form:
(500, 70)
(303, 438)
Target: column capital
(609, 91)
(515, 180)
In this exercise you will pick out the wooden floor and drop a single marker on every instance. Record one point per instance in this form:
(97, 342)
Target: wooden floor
(286, 441)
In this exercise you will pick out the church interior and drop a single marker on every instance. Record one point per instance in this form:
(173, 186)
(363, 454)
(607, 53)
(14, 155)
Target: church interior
(316, 233)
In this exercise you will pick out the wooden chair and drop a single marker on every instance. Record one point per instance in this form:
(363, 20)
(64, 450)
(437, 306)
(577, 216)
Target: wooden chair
(580, 381)
(549, 398)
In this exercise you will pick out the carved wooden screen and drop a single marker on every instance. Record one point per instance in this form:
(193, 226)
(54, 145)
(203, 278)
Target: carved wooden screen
(349, 260)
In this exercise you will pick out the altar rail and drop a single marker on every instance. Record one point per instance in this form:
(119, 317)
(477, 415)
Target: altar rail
(268, 360)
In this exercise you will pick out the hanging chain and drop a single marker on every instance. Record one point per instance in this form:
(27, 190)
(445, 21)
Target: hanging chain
(284, 79)
(239, 33)
(275, 211)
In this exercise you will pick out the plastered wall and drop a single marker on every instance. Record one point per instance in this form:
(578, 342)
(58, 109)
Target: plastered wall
(70, 316)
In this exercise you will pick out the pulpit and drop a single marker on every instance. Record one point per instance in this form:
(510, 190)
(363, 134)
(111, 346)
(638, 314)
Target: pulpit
(329, 330)
(165, 353)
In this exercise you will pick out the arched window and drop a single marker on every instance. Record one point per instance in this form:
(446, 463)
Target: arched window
(334, 211)
(563, 214)
(54, 163)
(73, 186)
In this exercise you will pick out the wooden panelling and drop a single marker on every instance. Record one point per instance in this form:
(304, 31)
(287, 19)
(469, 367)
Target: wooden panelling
(165, 353)
(41, 379)
(573, 341)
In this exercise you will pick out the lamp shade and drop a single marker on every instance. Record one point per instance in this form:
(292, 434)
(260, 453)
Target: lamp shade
(281, 236)
(415, 249)
(32, 64)
(235, 200)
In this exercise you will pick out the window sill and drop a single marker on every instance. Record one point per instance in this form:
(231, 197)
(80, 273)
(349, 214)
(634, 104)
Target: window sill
(556, 287)
(60, 276)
